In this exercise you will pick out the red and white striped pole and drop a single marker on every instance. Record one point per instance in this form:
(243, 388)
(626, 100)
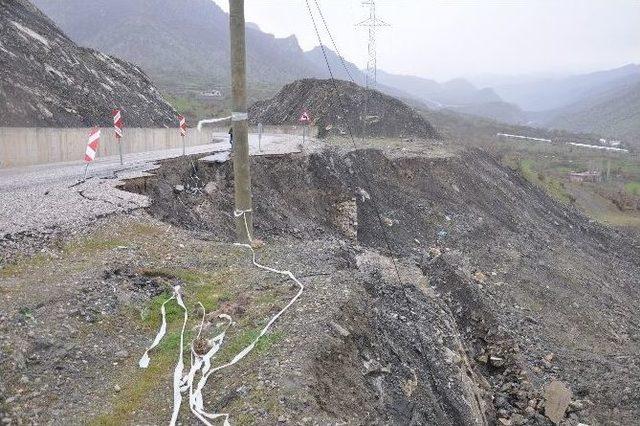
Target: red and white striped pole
(92, 148)
(117, 127)
(183, 131)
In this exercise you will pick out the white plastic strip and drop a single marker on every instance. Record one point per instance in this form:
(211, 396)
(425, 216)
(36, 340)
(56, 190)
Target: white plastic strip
(211, 120)
(179, 370)
(239, 116)
(202, 363)
(205, 376)
(144, 361)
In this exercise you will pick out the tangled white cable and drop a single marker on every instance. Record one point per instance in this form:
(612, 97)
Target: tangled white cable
(202, 363)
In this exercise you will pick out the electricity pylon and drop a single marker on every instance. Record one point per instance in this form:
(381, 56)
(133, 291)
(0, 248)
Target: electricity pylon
(372, 23)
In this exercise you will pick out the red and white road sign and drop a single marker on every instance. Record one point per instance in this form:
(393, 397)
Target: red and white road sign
(304, 117)
(92, 145)
(183, 125)
(117, 123)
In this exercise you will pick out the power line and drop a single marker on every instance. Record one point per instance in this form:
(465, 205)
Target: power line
(366, 179)
(335, 46)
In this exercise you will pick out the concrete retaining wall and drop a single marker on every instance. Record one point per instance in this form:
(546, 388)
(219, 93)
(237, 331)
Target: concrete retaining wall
(27, 146)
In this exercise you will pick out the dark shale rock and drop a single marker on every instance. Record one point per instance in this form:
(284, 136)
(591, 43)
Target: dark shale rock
(47, 80)
(341, 107)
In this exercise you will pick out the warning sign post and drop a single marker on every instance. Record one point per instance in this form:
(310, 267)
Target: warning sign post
(117, 127)
(183, 131)
(92, 148)
(305, 119)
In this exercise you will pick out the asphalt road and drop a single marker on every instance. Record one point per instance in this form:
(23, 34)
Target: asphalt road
(44, 197)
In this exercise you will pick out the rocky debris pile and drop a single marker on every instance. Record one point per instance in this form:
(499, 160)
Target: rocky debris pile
(341, 107)
(47, 80)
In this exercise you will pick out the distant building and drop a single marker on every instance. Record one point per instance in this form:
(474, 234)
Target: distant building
(211, 94)
(588, 176)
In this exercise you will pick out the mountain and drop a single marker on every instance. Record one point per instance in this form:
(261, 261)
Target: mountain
(179, 43)
(451, 93)
(554, 93)
(47, 80)
(338, 106)
(497, 111)
(613, 115)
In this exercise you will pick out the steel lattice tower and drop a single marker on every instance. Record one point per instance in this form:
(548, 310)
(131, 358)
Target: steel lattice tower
(372, 23)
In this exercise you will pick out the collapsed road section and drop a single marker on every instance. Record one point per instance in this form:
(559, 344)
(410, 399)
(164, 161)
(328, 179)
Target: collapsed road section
(509, 307)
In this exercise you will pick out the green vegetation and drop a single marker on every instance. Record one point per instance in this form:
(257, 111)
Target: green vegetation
(244, 339)
(93, 245)
(633, 188)
(209, 288)
(192, 108)
(548, 166)
(553, 186)
(23, 264)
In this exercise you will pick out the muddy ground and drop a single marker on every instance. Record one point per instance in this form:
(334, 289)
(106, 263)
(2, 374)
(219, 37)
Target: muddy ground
(441, 288)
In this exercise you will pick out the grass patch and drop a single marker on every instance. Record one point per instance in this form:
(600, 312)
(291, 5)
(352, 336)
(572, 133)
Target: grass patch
(233, 346)
(142, 383)
(92, 245)
(632, 188)
(23, 265)
(200, 287)
(553, 186)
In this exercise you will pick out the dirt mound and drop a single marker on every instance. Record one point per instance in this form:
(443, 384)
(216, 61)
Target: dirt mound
(339, 106)
(503, 290)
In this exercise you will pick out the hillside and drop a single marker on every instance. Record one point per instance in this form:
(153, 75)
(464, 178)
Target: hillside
(554, 93)
(179, 44)
(342, 111)
(615, 114)
(46, 80)
(499, 111)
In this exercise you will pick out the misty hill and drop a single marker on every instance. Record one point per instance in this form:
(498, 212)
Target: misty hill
(554, 93)
(452, 93)
(615, 114)
(498, 111)
(179, 43)
(458, 94)
(46, 80)
(386, 116)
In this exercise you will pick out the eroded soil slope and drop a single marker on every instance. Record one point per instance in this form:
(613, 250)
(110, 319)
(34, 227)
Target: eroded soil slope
(524, 290)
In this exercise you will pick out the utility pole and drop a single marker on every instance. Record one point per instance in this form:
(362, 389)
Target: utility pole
(241, 170)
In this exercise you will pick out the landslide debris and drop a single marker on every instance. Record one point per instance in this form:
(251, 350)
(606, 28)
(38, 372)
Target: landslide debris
(504, 293)
(337, 107)
(47, 80)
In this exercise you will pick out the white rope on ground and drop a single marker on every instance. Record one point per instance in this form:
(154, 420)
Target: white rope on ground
(202, 363)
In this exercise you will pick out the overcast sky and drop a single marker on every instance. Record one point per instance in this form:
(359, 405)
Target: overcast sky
(448, 39)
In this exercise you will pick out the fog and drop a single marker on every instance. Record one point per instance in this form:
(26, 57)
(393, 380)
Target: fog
(448, 39)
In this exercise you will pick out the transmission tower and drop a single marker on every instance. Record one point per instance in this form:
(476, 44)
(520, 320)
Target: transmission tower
(372, 23)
